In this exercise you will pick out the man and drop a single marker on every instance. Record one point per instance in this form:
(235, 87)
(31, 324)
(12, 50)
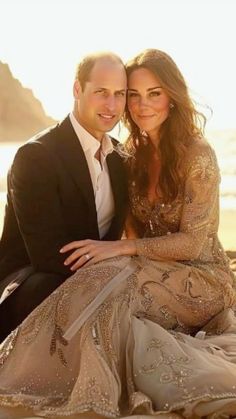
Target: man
(68, 183)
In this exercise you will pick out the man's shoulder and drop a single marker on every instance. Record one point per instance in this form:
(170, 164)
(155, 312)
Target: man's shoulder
(37, 147)
(44, 140)
(43, 137)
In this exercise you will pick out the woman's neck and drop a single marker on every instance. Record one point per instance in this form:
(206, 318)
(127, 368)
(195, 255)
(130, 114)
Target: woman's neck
(155, 139)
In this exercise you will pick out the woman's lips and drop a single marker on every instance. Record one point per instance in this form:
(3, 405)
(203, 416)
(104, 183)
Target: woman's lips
(145, 116)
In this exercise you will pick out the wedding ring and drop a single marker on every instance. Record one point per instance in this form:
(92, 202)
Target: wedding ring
(87, 256)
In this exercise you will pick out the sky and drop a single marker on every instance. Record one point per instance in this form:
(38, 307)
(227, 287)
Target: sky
(43, 40)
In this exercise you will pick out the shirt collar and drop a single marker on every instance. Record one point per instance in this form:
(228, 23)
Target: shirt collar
(88, 141)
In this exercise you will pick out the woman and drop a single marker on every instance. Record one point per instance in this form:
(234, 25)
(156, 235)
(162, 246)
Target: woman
(149, 328)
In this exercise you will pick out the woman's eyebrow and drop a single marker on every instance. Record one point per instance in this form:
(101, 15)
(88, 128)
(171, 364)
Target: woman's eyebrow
(149, 89)
(153, 88)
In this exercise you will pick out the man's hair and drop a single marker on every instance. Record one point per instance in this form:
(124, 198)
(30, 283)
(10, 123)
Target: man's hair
(86, 65)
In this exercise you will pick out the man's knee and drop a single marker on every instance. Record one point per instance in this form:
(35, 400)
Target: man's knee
(32, 292)
(39, 285)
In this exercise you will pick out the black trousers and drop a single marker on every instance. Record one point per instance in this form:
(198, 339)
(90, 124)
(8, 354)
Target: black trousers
(15, 308)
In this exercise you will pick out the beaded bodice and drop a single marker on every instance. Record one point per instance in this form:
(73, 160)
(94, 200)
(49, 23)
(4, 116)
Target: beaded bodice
(154, 220)
(185, 229)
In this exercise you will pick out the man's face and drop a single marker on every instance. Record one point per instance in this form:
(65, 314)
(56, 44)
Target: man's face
(101, 104)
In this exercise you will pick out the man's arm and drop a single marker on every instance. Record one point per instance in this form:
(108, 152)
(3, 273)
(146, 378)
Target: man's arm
(36, 201)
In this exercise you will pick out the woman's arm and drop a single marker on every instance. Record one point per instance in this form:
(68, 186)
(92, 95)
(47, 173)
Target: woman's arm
(201, 199)
(92, 251)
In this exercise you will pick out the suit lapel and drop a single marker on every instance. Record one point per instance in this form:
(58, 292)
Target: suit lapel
(71, 152)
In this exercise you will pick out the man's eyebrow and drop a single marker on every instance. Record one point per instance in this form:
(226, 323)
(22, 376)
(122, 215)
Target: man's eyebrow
(121, 90)
(104, 89)
(100, 88)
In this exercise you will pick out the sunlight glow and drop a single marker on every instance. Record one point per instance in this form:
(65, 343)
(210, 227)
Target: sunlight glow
(43, 40)
(50, 37)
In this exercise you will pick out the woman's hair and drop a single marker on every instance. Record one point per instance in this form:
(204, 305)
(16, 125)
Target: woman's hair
(183, 125)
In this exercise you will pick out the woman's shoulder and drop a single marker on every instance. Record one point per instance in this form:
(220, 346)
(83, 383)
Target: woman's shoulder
(200, 152)
(201, 162)
(199, 146)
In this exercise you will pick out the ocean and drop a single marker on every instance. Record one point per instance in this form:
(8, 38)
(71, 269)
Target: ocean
(224, 143)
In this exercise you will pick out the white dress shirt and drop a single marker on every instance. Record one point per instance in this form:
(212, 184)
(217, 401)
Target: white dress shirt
(99, 174)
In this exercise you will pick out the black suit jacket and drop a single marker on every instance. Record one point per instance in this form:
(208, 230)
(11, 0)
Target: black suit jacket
(50, 202)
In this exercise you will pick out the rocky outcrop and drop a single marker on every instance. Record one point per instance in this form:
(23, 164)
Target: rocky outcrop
(21, 114)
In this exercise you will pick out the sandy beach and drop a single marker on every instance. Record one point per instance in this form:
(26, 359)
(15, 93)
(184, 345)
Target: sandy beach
(227, 229)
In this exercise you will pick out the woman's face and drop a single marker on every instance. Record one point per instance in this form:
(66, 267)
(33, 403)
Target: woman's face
(148, 103)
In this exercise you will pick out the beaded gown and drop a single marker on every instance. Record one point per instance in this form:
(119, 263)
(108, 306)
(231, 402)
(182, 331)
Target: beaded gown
(143, 336)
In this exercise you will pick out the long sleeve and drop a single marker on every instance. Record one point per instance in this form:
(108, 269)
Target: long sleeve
(37, 208)
(199, 214)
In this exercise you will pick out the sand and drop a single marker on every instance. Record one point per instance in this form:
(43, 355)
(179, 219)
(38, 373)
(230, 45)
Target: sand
(227, 229)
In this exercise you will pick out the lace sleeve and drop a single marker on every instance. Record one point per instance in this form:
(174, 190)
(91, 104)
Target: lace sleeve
(200, 207)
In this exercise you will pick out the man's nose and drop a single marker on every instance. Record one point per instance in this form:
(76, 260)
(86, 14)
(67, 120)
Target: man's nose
(111, 103)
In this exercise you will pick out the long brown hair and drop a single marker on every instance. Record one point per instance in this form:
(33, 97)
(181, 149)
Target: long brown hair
(183, 125)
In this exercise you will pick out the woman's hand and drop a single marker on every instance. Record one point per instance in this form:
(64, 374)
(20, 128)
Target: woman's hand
(92, 251)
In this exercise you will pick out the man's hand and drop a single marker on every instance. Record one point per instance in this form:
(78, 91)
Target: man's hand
(92, 251)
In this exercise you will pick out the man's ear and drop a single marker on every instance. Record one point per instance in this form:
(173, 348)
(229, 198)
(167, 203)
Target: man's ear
(76, 89)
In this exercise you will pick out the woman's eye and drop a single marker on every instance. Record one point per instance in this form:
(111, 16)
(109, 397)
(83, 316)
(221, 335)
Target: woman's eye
(132, 94)
(155, 93)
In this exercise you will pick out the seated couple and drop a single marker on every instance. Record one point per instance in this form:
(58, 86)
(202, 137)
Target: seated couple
(96, 326)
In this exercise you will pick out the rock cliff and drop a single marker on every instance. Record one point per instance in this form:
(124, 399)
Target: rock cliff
(21, 113)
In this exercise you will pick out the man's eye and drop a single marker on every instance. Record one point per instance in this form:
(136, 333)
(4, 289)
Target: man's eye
(122, 94)
(99, 91)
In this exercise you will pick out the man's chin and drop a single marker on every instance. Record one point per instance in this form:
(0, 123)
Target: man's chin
(108, 126)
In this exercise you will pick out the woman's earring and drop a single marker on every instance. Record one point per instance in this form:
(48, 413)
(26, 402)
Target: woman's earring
(172, 105)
